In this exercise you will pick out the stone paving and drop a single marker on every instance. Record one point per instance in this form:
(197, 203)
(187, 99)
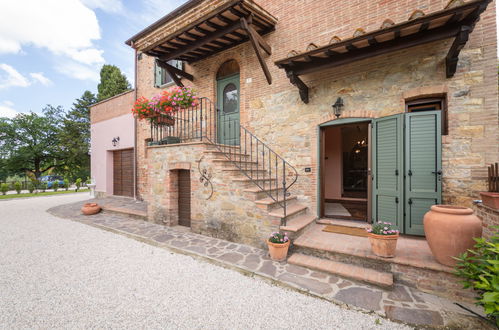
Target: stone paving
(402, 303)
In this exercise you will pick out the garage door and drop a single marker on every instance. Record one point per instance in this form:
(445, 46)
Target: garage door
(184, 198)
(123, 172)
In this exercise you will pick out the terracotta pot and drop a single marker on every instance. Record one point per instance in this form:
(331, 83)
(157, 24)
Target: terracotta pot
(90, 208)
(278, 252)
(450, 231)
(383, 245)
(490, 199)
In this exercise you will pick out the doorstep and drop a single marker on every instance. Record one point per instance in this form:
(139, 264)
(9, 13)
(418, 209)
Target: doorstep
(401, 303)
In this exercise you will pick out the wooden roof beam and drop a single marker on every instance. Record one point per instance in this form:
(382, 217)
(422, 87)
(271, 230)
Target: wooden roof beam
(207, 39)
(174, 70)
(252, 34)
(453, 55)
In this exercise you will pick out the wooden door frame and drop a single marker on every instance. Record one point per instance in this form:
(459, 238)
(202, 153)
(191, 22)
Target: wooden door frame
(320, 152)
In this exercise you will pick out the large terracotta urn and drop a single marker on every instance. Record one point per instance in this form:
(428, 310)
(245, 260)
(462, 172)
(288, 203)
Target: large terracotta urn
(450, 231)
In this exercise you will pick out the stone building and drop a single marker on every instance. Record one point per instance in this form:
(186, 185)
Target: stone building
(354, 110)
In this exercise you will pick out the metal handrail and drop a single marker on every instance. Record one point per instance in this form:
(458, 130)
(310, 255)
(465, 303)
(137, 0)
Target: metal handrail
(254, 158)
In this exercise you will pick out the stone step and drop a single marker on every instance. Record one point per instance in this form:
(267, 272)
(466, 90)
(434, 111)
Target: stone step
(298, 223)
(270, 204)
(255, 193)
(343, 223)
(141, 215)
(246, 179)
(291, 210)
(218, 152)
(371, 276)
(235, 169)
(225, 160)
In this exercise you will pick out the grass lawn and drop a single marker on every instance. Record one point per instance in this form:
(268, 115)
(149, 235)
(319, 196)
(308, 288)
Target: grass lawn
(47, 193)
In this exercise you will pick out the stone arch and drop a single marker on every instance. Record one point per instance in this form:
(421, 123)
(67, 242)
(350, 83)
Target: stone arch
(416, 14)
(330, 116)
(228, 68)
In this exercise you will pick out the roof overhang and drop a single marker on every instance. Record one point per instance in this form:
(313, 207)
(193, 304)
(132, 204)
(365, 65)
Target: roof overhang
(457, 23)
(214, 29)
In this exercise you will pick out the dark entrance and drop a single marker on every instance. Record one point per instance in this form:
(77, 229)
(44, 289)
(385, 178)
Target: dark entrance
(184, 198)
(123, 172)
(345, 171)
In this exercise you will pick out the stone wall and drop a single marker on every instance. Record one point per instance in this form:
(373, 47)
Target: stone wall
(373, 87)
(489, 217)
(227, 214)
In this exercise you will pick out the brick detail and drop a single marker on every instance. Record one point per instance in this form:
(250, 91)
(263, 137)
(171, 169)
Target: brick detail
(113, 107)
(489, 217)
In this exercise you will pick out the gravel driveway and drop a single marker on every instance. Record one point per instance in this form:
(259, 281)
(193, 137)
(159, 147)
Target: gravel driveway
(56, 273)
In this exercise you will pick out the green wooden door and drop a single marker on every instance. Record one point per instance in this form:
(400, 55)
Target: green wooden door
(228, 115)
(387, 170)
(423, 183)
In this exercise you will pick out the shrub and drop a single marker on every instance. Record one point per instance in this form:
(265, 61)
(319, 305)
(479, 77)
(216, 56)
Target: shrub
(78, 184)
(480, 269)
(55, 185)
(31, 187)
(18, 187)
(66, 184)
(4, 188)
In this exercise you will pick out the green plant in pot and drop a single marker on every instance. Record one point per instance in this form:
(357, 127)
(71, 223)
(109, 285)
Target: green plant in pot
(383, 238)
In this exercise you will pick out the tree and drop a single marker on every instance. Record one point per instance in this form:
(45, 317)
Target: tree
(112, 82)
(30, 142)
(75, 136)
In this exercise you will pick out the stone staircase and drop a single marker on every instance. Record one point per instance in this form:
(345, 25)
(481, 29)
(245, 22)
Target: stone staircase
(298, 216)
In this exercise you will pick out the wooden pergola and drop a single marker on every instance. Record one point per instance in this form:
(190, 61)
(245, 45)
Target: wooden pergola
(225, 27)
(457, 23)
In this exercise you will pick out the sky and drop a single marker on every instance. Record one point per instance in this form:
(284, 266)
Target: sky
(51, 51)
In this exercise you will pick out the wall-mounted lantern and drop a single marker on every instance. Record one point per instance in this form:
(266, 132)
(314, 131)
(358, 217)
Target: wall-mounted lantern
(338, 107)
(115, 141)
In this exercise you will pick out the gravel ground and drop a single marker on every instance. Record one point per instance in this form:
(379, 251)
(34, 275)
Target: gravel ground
(56, 273)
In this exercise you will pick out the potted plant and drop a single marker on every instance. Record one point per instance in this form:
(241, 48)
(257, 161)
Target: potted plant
(383, 239)
(278, 246)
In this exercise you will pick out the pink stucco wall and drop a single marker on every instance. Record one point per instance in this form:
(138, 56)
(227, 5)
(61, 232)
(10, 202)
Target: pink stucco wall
(102, 134)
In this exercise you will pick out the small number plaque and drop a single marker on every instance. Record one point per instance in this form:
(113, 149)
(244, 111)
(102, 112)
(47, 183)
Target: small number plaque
(308, 169)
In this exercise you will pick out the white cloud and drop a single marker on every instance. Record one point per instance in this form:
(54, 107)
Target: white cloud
(63, 27)
(10, 77)
(78, 71)
(6, 109)
(155, 9)
(111, 6)
(40, 77)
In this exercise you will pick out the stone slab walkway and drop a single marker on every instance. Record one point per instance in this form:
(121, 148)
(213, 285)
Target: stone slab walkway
(402, 303)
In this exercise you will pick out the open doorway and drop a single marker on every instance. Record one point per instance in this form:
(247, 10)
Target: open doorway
(346, 171)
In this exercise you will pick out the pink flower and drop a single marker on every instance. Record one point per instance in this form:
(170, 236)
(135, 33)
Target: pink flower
(385, 228)
(384, 232)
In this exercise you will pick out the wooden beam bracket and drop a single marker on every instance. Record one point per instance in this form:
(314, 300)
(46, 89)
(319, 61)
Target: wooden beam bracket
(302, 88)
(256, 42)
(453, 55)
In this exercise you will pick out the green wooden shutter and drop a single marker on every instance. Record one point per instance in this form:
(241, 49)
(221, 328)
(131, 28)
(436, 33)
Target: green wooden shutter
(387, 170)
(423, 186)
(157, 75)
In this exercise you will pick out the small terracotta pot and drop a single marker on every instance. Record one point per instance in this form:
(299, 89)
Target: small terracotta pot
(450, 231)
(278, 252)
(90, 208)
(383, 245)
(490, 199)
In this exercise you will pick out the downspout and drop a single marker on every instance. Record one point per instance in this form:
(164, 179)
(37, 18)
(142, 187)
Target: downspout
(135, 132)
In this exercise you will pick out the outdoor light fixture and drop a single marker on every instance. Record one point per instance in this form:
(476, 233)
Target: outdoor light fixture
(338, 107)
(116, 141)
